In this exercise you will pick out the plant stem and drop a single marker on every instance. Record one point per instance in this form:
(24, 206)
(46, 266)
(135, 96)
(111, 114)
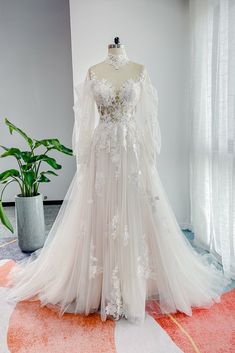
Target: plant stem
(21, 174)
(48, 149)
(38, 167)
(10, 181)
(35, 171)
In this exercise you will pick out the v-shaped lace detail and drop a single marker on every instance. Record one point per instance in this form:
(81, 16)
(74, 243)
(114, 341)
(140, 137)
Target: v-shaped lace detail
(111, 85)
(116, 104)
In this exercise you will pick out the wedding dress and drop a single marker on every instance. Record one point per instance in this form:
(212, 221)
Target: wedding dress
(115, 242)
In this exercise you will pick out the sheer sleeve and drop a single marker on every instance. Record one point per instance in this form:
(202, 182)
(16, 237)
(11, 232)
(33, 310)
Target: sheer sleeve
(84, 120)
(147, 117)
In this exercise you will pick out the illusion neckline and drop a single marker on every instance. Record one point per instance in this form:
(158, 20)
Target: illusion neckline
(117, 60)
(138, 78)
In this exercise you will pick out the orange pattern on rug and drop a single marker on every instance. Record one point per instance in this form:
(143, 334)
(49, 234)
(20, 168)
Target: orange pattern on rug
(206, 331)
(4, 272)
(41, 330)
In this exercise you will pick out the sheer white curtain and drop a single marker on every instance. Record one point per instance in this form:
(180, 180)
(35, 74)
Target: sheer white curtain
(212, 157)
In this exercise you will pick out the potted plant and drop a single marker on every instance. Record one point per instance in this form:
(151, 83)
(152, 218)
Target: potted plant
(29, 175)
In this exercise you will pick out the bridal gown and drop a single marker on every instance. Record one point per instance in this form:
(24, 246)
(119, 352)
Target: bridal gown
(115, 242)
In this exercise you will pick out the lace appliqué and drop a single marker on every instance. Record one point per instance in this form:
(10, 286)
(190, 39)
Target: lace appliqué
(115, 230)
(117, 60)
(115, 139)
(143, 261)
(114, 226)
(134, 178)
(116, 104)
(116, 307)
(107, 139)
(117, 129)
(94, 269)
(152, 199)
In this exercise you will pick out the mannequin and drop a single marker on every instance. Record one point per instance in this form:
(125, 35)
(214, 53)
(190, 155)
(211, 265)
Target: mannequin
(117, 76)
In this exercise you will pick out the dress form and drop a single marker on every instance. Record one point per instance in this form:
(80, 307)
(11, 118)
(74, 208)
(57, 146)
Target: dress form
(117, 75)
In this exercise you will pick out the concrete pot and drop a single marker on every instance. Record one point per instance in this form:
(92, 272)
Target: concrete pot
(30, 222)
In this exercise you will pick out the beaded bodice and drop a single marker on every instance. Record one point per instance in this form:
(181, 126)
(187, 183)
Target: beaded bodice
(116, 104)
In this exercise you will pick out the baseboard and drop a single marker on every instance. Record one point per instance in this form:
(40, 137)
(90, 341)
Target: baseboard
(45, 202)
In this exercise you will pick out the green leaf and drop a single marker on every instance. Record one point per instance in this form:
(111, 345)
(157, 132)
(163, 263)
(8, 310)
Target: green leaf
(43, 179)
(9, 173)
(26, 156)
(5, 181)
(4, 219)
(14, 152)
(5, 148)
(26, 167)
(12, 128)
(65, 150)
(46, 142)
(49, 160)
(54, 144)
(52, 162)
(49, 172)
(29, 177)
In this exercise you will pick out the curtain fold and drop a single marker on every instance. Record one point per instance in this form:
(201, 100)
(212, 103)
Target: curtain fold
(212, 162)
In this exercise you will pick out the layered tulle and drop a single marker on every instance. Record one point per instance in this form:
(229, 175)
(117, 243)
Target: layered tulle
(116, 242)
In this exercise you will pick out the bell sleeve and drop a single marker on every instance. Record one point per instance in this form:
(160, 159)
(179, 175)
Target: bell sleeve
(147, 117)
(84, 120)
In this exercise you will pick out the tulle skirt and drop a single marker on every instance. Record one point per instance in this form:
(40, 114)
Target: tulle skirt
(115, 242)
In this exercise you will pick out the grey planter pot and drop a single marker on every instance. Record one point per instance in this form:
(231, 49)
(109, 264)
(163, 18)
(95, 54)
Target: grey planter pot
(30, 222)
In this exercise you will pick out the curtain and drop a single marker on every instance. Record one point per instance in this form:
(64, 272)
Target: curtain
(212, 127)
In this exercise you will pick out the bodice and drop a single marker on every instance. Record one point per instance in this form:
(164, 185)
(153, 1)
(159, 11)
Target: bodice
(116, 104)
(127, 117)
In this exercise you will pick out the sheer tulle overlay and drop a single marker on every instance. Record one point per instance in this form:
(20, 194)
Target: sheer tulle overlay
(115, 242)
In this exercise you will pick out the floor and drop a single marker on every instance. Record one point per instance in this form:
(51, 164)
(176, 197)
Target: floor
(9, 248)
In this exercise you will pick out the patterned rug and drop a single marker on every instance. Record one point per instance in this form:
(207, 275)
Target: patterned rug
(30, 328)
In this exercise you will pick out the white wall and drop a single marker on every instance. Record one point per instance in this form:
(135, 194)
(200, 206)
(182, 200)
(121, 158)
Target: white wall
(156, 34)
(36, 91)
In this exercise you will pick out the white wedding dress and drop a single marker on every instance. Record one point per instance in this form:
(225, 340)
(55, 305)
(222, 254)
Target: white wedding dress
(115, 242)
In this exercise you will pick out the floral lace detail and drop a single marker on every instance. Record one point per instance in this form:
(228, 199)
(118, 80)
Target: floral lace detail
(116, 104)
(117, 130)
(114, 138)
(152, 199)
(94, 269)
(114, 226)
(116, 307)
(117, 60)
(143, 266)
(134, 178)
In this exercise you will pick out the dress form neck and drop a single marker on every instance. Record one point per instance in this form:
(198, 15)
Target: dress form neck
(117, 51)
(116, 67)
(117, 57)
